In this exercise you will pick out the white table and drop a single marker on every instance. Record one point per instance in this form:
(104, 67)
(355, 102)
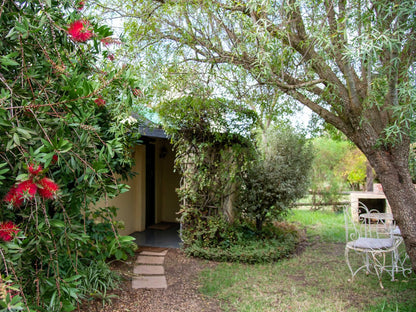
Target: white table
(378, 216)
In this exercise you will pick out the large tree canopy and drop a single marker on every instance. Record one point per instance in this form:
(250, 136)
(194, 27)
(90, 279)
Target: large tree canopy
(349, 61)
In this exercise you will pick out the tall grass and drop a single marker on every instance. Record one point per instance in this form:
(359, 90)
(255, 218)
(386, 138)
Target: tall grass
(316, 280)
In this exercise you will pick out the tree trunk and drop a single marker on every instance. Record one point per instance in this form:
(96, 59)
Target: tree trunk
(391, 166)
(259, 224)
(369, 178)
(228, 202)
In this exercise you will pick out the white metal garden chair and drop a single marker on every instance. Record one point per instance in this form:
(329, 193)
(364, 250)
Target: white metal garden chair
(373, 240)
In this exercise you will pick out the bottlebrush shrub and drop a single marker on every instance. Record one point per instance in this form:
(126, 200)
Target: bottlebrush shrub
(27, 189)
(61, 153)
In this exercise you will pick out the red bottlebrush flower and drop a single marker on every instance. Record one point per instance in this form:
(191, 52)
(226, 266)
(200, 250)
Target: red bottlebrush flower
(108, 40)
(54, 159)
(16, 195)
(100, 101)
(137, 92)
(79, 31)
(34, 170)
(26, 189)
(81, 5)
(13, 197)
(48, 188)
(7, 230)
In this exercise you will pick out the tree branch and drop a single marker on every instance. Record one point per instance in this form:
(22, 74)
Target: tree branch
(337, 28)
(321, 111)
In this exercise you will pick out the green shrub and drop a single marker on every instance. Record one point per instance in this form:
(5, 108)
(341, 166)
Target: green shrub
(96, 278)
(278, 176)
(241, 242)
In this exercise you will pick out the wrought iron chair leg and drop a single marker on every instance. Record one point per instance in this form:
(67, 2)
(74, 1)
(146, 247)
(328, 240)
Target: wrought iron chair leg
(349, 265)
(376, 265)
(394, 263)
(367, 264)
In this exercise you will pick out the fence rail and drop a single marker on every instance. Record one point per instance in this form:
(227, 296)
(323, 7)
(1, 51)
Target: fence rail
(322, 204)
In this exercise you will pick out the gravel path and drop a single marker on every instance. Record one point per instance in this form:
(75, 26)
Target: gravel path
(181, 294)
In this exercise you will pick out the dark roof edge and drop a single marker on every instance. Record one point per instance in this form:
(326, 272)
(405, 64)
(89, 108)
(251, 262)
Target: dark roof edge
(150, 129)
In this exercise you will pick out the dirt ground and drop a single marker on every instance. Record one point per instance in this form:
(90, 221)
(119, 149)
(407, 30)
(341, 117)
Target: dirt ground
(181, 295)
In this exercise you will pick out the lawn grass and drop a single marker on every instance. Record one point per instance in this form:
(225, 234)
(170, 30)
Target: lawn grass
(322, 225)
(314, 280)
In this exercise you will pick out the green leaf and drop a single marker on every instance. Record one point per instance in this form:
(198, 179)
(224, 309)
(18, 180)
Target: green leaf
(16, 139)
(16, 300)
(110, 150)
(48, 160)
(52, 301)
(5, 123)
(10, 145)
(72, 278)
(12, 245)
(22, 177)
(12, 34)
(3, 165)
(8, 62)
(118, 254)
(57, 223)
(25, 132)
(3, 171)
(68, 306)
(124, 239)
(64, 146)
(47, 145)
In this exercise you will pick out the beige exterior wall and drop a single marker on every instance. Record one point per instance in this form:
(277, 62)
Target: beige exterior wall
(132, 204)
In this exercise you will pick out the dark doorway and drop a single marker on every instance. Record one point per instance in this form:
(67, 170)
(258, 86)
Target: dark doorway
(150, 184)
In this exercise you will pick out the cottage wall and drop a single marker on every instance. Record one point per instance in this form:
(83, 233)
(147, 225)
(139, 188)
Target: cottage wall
(132, 204)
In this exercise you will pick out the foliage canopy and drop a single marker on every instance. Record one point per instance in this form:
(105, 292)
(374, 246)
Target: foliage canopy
(63, 148)
(351, 62)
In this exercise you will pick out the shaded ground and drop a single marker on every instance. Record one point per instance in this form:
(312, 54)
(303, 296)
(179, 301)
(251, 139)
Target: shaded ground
(181, 295)
(317, 273)
(161, 235)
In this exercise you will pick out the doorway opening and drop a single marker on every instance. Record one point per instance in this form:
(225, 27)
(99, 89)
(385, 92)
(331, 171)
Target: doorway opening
(150, 184)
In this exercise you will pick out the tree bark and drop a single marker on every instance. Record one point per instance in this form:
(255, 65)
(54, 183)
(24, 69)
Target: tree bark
(391, 167)
(259, 224)
(369, 178)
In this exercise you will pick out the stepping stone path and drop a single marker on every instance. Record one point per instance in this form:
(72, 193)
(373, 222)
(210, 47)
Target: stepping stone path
(149, 270)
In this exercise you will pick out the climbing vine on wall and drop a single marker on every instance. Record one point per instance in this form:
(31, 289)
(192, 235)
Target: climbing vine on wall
(210, 153)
